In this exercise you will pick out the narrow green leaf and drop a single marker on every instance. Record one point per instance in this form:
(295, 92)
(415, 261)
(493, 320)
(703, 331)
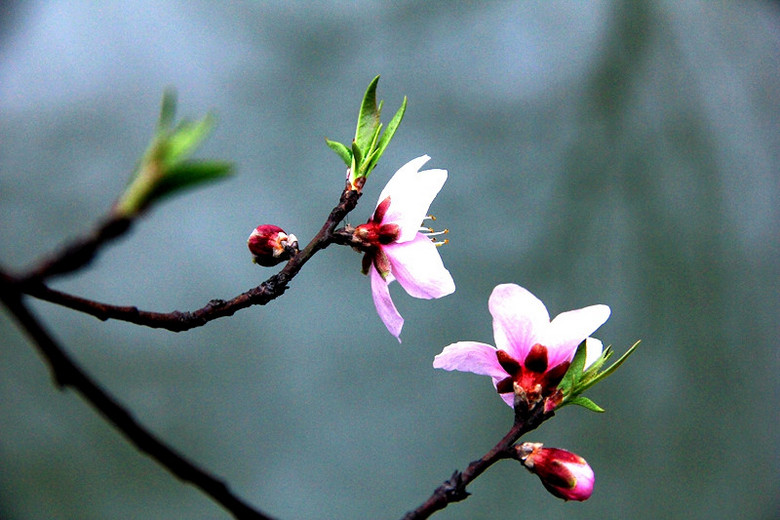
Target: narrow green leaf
(187, 175)
(593, 378)
(186, 137)
(586, 403)
(616, 364)
(392, 126)
(342, 151)
(374, 138)
(574, 373)
(596, 366)
(588, 376)
(357, 159)
(368, 119)
(162, 169)
(167, 109)
(371, 157)
(369, 162)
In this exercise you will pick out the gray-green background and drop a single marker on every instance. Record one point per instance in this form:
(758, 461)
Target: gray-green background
(616, 152)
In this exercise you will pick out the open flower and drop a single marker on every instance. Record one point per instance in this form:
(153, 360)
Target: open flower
(532, 353)
(396, 249)
(565, 474)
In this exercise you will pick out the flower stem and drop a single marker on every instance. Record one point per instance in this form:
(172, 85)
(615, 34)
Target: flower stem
(178, 321)
(67, 373)
(454, 489)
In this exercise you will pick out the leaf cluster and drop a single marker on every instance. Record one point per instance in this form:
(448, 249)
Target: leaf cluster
(577, 380)
(369, 143)
(165, 167)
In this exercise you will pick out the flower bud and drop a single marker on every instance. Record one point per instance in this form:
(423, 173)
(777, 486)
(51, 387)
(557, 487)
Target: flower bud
(564, 474)
(270, 245)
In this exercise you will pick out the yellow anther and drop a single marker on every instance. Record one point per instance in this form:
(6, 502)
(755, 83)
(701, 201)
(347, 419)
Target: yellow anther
(430, 232)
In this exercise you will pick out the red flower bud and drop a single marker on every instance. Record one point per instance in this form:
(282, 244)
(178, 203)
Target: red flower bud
(564, 474)
(270, 245)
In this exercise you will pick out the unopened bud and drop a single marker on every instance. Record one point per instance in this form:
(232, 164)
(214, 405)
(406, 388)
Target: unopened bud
(564, 474)
(270, 245)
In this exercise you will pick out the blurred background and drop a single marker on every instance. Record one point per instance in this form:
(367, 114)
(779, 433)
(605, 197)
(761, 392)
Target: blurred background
(615, 152)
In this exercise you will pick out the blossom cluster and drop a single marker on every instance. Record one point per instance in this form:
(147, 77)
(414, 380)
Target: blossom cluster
(536, 363)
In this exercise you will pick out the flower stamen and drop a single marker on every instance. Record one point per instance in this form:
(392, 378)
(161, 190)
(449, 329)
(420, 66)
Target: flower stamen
(431, 233)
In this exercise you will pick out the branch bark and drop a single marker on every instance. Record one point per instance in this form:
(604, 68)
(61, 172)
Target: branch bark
(178, 321)
(454, 489)
(67, 373)
(78, 253)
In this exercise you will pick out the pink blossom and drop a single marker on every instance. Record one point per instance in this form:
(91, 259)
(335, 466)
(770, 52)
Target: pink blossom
(532, 353)
(396, 249)
(565, 474)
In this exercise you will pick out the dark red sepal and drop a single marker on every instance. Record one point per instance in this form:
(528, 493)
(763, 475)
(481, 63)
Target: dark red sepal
(507, 362)
(536, 361)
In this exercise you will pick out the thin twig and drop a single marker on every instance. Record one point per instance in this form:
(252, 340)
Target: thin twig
(67, 374)
(454, 489)
(178, 321)
(80, 252)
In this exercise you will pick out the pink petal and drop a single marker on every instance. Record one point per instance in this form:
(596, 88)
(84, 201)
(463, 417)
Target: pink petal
(402, 178)
(584, 480)
(478, 358)
(568, 329)
(418, 268)
(509, 398)
(411, 193)
(520, 319)
(470, 356)
(384, 304)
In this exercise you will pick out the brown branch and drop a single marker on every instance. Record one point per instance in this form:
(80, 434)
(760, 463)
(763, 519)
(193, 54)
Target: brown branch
(78, 253)
(454, 489)
(67, 374)
(178, 321)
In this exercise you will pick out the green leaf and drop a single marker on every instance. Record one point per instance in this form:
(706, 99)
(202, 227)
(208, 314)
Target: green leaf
(586, 403)
(146, 189)
(357, 159)
(187, 175)
(389, 133)
(620, 360)
(370, 142)
(374, 138)
(368, 118)
(575, 381)
(167, 109)
(370, 160)
(163, 169)
(574, 373)
(186, 138)
(611, 369)
(596, 366)
(342, 151)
